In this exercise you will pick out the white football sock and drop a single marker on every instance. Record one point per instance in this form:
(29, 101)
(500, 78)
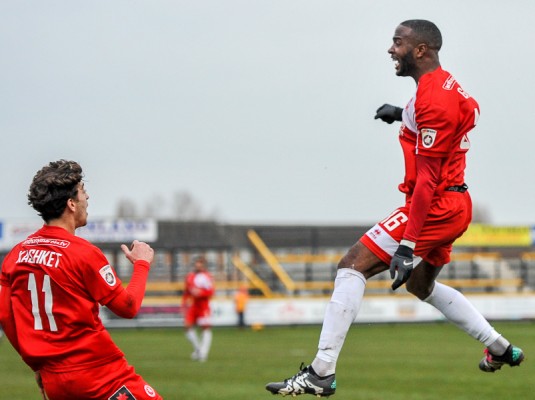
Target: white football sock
(457, 309)
(341, 311)
(206, 343)
(191, 335)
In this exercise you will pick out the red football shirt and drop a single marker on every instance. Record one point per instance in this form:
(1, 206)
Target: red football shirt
(436, 122)
(199, 287)
(57, 282)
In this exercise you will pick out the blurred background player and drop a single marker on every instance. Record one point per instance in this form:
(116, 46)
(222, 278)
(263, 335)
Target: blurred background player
(438, 210)
(198, 290)
(51, 286)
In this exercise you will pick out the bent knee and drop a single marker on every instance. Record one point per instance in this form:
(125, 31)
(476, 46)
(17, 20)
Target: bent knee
(422, 291)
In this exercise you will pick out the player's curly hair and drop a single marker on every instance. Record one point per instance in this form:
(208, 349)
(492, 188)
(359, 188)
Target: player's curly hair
(52, 186)
(425, 32)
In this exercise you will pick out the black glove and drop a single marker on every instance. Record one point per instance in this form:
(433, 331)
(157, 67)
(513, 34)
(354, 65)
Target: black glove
(389, 113)
(403, 263)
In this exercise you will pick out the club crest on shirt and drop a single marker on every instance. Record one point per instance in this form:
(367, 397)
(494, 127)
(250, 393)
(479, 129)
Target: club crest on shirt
(428, 137)
(122, 394)
(108, 275)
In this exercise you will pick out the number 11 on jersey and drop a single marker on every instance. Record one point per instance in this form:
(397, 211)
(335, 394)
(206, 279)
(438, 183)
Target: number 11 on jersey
(34, 293)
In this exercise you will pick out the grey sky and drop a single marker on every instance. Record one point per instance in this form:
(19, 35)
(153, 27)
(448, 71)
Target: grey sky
(262, 110)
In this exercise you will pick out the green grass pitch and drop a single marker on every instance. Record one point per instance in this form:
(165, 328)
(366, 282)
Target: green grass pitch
(379, 362)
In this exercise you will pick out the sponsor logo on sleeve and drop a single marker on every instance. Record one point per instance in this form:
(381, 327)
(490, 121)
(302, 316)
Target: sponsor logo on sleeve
(150, 391)
(107, 274)
(449, 83)
(428, 137)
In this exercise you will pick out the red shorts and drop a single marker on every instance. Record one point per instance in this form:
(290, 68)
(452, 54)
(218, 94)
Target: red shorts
(115, 380)
(198, 313)
(446, 221)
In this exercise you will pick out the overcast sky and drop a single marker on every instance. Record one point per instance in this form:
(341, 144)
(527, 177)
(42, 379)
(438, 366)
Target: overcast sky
(261, 109)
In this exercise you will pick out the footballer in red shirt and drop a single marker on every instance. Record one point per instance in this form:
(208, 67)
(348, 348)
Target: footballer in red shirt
(434, 140)
(198, 290)
(437, 210)
(51, 287)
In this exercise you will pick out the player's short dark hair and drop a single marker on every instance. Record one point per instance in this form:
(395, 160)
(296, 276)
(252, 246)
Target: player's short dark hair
(201, 259)
(52, 186)
(425, 32)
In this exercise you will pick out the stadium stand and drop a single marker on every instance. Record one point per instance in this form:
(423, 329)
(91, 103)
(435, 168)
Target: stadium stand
(300, 260)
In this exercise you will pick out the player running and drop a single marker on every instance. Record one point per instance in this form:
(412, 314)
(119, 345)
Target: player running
(438, 210)
(199, 289)
(51, 286)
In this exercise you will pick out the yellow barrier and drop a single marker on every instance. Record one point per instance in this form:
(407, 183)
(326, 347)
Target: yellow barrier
(271, 260)
(482, 283)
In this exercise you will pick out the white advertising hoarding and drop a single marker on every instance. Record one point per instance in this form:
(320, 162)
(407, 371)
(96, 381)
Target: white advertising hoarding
(302, 311)
(102, 230)
(120, 230)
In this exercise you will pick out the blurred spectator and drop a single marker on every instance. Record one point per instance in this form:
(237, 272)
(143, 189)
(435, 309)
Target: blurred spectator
(241, 298)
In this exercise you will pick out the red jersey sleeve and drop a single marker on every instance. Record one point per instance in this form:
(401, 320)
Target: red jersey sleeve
(428, 174)
(7, 320)
(127, 302)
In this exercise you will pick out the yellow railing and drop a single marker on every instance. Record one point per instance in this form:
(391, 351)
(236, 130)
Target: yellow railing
(271, 260)
(251, 276)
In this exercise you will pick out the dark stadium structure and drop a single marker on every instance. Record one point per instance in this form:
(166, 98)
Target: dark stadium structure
(306, 254)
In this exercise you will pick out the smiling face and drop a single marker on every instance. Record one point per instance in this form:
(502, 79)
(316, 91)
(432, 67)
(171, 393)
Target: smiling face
(403, 52)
